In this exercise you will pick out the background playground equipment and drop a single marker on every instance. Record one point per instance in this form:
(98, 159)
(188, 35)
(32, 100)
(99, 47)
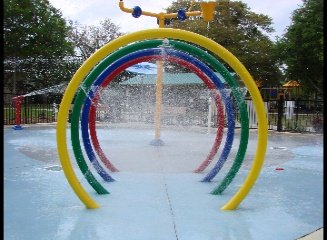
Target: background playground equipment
(96, 77)
(18, 100)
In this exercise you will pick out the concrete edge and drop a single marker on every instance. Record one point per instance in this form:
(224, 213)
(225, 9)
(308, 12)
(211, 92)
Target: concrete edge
(318, 234)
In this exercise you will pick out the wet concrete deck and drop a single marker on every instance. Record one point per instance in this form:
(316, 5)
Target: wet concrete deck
(156, 195)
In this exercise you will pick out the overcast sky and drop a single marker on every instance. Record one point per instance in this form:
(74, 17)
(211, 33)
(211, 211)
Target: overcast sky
(91, 12)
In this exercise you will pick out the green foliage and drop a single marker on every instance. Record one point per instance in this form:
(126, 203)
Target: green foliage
(34, 28)
(301, 47)
(88, 39)
(35, 46)
(242, 32)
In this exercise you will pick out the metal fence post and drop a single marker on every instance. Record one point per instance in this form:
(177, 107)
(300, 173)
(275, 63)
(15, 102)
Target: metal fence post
(280, 112)
(297, 106)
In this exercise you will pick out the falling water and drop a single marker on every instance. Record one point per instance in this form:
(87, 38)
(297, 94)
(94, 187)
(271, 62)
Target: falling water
(54, 89)
(164, 46)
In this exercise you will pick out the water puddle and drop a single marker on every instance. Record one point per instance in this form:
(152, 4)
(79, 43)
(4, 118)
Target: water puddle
(54, 168)
(280, 148)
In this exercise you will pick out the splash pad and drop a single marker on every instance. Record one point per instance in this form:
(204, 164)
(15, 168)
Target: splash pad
(97, 72)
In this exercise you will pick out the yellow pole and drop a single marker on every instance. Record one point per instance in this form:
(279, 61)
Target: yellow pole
(157, 117)
(161, 21)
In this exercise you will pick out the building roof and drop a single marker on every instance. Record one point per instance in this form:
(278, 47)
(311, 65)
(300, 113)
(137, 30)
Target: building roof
(168, 79)
(258, 83)
(292, 83)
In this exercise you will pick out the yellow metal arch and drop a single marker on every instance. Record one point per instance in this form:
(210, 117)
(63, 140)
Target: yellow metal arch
(162, 33)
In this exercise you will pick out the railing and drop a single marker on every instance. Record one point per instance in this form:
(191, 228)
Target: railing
(31, 112)
(292, 116)
(296, 116)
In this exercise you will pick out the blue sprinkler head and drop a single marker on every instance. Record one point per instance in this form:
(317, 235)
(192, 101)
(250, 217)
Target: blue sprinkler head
(137, 12)
(181, 14)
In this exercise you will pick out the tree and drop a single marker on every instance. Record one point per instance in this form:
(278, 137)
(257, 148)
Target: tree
(301, 48)
(242, 32)
(88, 39)
(35, 45)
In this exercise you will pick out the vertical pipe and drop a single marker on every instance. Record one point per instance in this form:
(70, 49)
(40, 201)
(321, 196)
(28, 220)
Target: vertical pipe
(157, 118)
(18, 103)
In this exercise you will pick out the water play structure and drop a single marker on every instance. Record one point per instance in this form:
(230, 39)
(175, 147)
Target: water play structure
(190, 50)
(18, 100)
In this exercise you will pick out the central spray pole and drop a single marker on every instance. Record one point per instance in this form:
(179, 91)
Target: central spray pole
(207, 14)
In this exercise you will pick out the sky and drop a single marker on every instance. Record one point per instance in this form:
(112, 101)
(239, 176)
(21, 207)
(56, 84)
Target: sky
(91, 12)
